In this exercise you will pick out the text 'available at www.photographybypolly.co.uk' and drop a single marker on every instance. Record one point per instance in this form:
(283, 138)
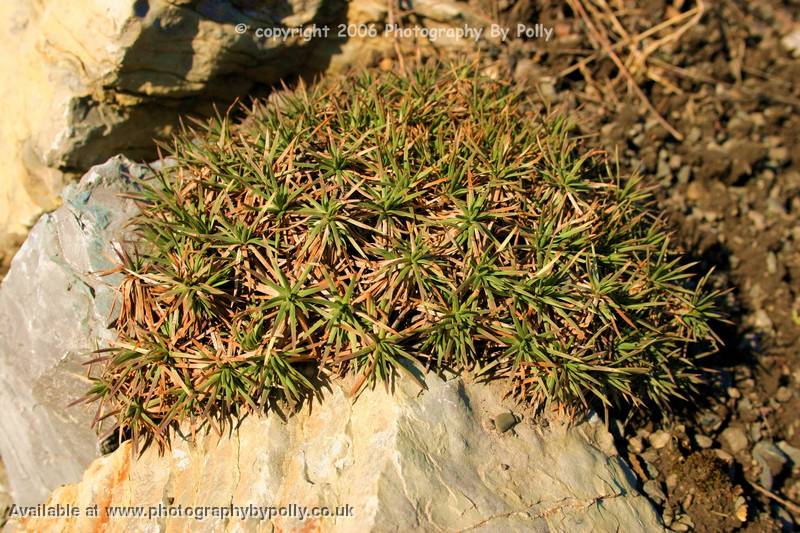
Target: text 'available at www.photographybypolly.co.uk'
(196, 512)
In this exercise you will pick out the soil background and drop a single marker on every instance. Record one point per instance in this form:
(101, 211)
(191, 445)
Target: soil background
(722, 75)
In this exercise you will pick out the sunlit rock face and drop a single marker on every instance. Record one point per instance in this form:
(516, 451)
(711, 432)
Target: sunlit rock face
(407, 460)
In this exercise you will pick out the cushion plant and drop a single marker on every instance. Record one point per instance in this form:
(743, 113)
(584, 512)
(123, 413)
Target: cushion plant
(395, 223)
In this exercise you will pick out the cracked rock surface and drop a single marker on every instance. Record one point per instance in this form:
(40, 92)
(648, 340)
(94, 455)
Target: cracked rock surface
(410, 460)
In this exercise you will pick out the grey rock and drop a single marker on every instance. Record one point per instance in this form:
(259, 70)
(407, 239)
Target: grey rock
(703, 441)
(709, 421)
(635, 444)
(784, 394)
(92, 79)
(660, 439)
(771, 460)
(505, 421)
(734, 438)
(653, 489)
(54, 311)
(409, 460)
(791, 452)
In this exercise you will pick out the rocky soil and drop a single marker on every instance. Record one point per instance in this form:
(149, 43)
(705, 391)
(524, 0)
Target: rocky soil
(729, 83)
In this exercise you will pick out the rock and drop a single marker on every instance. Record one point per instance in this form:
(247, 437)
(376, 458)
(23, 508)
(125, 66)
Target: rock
(653, 489)
(709, 421)
(671, 481)
(734, 438)
(668, 516)
(54, 311)
(784, 394)
(791, 41)
(660, 438)
(5, 494)
(652, 470)
(703, 441)
(695, 191)
(724, 456)
(755, 432)
(77, 97)
(684, 523)
(505, 421)
(771, 460)
(635, 444)
(791, 452)
(761, 320)
(402, 461)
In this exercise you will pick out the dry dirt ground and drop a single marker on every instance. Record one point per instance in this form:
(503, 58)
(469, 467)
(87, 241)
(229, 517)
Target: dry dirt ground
(723, 78)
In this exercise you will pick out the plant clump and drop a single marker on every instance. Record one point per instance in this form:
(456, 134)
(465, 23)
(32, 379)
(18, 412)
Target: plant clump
(395, 223)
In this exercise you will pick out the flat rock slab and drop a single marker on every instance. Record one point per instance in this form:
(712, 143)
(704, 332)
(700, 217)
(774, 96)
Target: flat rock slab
(406, 461)
(54, 310)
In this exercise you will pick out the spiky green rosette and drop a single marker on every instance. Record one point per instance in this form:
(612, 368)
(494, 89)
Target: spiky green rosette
(426, 220)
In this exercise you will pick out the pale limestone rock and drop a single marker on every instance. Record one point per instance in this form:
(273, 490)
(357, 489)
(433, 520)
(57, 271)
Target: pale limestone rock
(54, 310)
(84, 80)
(407, 461)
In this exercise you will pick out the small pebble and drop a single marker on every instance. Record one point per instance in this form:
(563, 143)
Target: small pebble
(660, 438)
(684, 174)
(772, 263)
(710, 421)
(505, 421)
(667, 517)
(635, 444)
(784, 394)
(650, 455)
(694, 191)
(653, 489)
(755, 432)
(734, 438)
(779, 155)
(724, 456)
(652, 471)
(703, 441)
(790, 451)
(672, 481)
(771, 460)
